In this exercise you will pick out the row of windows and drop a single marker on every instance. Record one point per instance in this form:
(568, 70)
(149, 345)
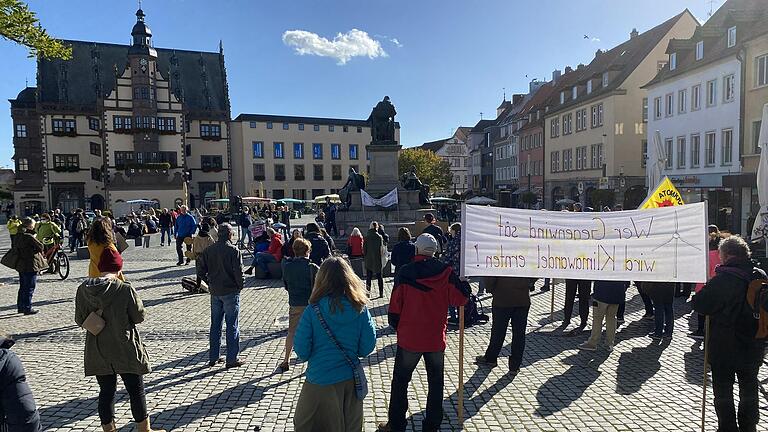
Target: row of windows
(731, 41)
(506, 173)
(125, 123)
(536, 167)
(318, 172)
(122, 158)
(667, 106)
(316, 128)
(685, 151)
(587, 157)
(278, 151)
(574, 93)
(596, 112)
(533, 141)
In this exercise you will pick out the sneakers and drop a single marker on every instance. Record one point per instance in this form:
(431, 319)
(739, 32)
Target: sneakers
(587, 347)
(31, 312)
(180, 263)
(481, 361)
(698, 335)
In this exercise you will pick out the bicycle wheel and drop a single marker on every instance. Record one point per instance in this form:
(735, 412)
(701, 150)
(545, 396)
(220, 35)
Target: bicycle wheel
(63, 265)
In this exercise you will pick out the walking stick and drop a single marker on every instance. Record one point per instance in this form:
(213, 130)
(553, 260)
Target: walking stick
(552, 301)
(461, 366)
(706, 360)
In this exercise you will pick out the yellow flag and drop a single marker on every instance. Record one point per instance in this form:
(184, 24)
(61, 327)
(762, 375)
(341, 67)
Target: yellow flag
(665, 195)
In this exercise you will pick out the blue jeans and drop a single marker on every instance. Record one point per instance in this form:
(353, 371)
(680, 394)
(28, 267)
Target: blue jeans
(261, 259)
(27, 283)
(663, 318)
(163, 232)
(225, 306)
(245, 232)
(405, 363)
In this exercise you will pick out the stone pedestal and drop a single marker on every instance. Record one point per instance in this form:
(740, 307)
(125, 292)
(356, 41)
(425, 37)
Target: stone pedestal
(384, 168)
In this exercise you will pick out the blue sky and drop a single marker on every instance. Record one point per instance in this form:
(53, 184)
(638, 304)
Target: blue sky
(445, 61)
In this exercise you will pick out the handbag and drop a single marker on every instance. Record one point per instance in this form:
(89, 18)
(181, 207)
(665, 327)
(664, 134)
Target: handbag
(384, 256)
(11, 258)
(361, 382)
(120, 242)
(94, 323)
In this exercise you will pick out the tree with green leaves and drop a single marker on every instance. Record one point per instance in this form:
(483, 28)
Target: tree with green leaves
(431, 168)
(20, 25)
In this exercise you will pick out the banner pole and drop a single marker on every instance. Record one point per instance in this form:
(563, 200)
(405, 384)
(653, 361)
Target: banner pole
(461, 367)
(552, 301)
(706, 360)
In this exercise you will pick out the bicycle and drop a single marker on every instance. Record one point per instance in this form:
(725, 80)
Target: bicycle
(57, 259)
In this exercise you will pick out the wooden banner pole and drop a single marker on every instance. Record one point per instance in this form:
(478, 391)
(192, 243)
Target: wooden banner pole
(552, 301)
(461, 367)
(706, 360)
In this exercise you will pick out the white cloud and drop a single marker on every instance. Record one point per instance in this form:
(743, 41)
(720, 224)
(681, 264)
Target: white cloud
(354, 43)
(594, 39)
(396, 42)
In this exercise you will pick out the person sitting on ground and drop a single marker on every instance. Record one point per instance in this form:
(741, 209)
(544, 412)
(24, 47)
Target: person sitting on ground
(117, 349)
(355, 244)
(337, 310)
(733, 349)
(213, 227)
(403, 251)
(423, 291)
(511, 303)
(99, 238)
(607, 297)
(220, 266)
(18, 411)
(273, 254)
(299, 277)
(288, 246)
(135, 228)
(320, 248)
(320, 219)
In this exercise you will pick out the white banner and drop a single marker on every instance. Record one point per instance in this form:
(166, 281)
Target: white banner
(661, 244)
(387, 200)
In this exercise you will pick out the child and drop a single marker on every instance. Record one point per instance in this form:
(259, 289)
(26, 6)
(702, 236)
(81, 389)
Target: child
(606, 299)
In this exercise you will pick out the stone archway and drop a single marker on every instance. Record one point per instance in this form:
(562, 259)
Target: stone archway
(97, 202)
(67, 202)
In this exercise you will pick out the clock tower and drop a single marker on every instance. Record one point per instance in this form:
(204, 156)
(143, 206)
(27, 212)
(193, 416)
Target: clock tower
(142, 59)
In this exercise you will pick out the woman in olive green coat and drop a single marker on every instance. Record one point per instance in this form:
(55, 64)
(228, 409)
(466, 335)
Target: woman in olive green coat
(117, 349)
(372, 257)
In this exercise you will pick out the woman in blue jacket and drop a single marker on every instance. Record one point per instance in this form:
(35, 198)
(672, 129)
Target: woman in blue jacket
(328, 401)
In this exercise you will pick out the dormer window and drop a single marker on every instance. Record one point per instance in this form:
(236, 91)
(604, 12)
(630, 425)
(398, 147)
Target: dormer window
(605, 79)
(589, 86)
(673, 61)
(562, 97)
(575, 92)
(732, 37)
(699, 50)
(538, 115)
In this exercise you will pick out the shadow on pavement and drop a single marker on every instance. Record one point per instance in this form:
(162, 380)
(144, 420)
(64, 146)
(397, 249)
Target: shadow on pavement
(560, 391)
(638, 366)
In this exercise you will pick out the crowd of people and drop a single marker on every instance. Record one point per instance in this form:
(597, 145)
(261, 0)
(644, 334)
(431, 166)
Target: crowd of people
(329, 324)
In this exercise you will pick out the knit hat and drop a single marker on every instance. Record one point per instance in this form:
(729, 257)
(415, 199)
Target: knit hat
(110, 261)
(426, 245)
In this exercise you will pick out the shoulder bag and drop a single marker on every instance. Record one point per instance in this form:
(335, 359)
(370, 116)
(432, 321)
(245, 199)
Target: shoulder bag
(361, 382)
(94, 323)
(11, 258)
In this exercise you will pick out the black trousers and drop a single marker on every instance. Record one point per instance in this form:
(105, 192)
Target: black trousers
(722, 387)
(405, 363)
(502, 316)
(134, 385)
(368, 275)
(584, 289)
(179, 244)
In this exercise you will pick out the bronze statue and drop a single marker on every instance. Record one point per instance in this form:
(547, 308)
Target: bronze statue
(382, 120)
(410, 181)
(355, 182)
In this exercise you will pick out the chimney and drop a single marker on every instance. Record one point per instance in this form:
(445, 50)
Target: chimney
(568, 69)
(598, 53)
(516, 98)
(535, 85)
(633, 34)
(556, 74)
(580, 66)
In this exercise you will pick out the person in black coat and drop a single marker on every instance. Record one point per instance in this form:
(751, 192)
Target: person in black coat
(18, 411)
(404, 251)
(434, 229)
(733, 349)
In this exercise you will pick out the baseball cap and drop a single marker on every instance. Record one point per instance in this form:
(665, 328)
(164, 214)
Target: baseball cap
(426, 245)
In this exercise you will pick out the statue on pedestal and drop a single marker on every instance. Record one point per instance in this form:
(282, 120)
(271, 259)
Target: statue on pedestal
(410, 181)
(382, 120)
(355, 182)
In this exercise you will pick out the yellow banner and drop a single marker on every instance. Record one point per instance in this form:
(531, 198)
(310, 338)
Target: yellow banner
(665, 195)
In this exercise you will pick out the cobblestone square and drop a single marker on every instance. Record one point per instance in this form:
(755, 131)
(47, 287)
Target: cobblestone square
(640, 386)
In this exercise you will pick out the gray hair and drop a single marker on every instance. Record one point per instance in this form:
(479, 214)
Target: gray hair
(735, 246)
(225, 230)
(27, 222)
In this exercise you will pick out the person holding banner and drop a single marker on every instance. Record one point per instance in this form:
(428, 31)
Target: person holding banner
(733, 349)
(423, 291)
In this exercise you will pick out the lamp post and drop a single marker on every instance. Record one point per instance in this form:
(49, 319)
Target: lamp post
(528, 168)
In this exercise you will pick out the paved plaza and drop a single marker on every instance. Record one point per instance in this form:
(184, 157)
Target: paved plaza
(640, 386)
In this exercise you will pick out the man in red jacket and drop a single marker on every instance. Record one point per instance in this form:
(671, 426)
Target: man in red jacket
(417, 310)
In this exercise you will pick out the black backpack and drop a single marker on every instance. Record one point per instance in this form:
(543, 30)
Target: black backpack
(472, 314)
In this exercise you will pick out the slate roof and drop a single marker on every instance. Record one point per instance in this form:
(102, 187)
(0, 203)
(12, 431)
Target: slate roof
(305, 120)
(537, 102)
(198, 78)
(750, 18)
(622, 59)
(433, 146)
(482, 124)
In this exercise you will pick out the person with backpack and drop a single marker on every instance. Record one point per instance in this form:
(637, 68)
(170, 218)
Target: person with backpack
(423, 291)
(734, 350)
(320, 248)
(334, 332)
(511, 303)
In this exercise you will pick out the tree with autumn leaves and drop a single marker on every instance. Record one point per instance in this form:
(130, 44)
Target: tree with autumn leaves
(431, 168)
(20, 25)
